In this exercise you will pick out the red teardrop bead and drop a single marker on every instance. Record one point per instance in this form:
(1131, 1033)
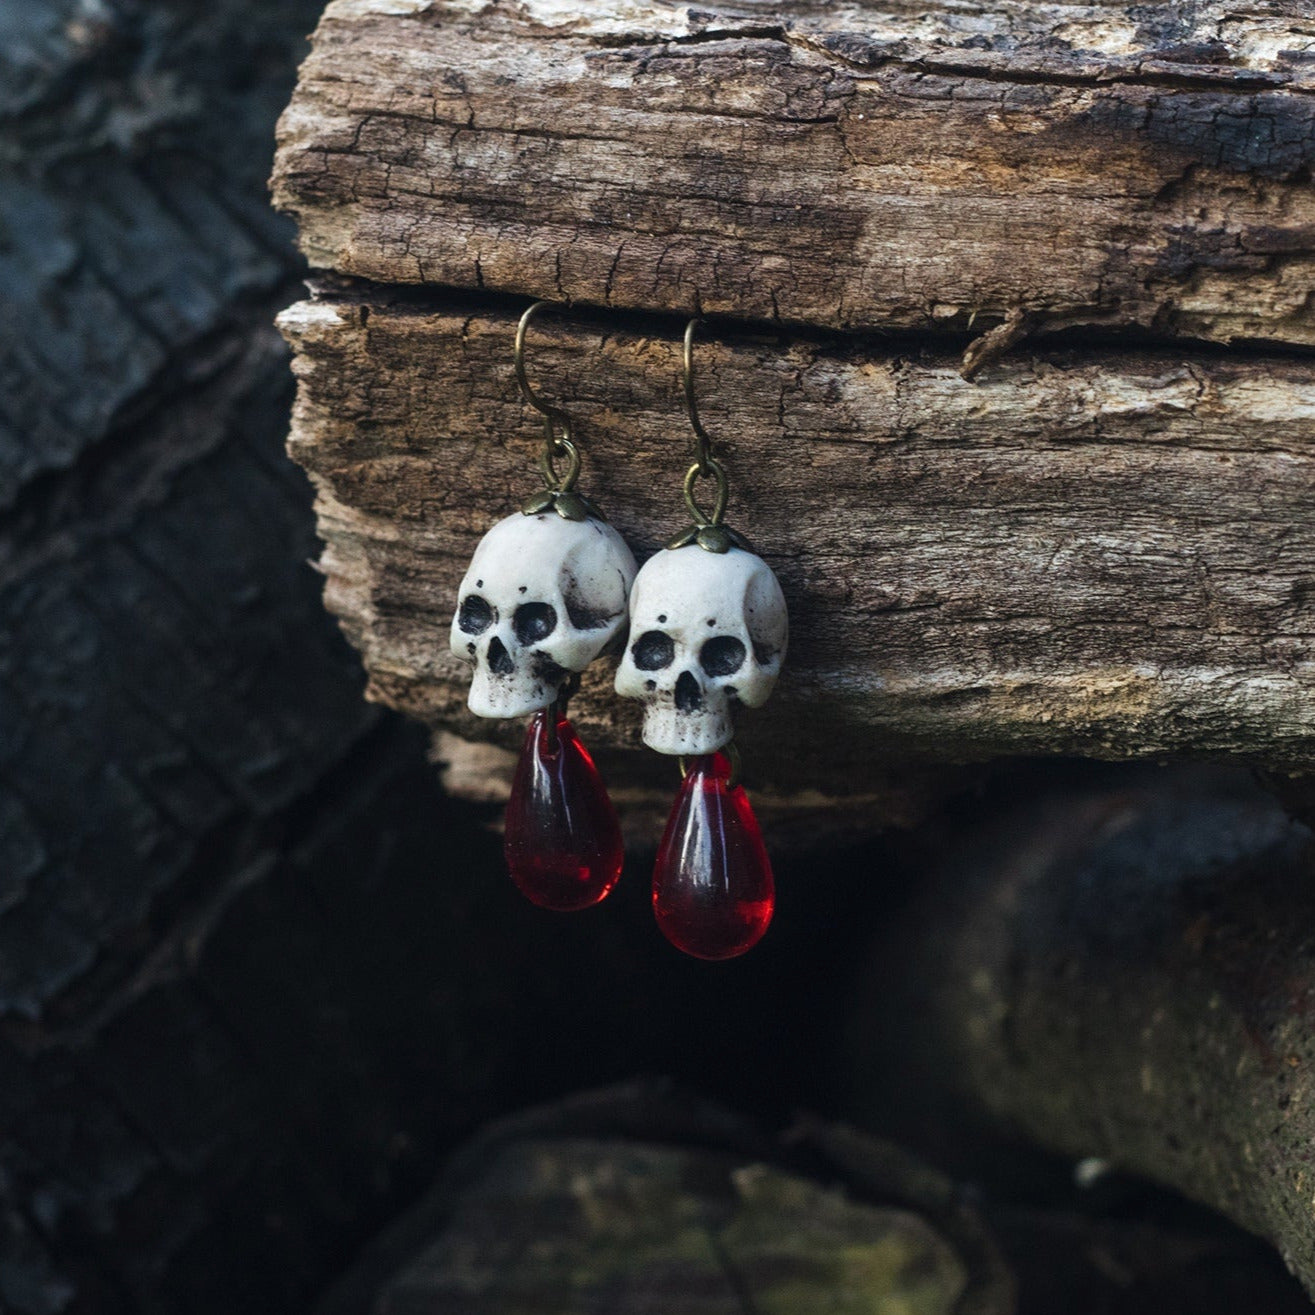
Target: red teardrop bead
(713, 892)
(562, 840)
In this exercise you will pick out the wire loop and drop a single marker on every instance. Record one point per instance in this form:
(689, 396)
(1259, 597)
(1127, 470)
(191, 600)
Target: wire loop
(716, 471)
(554, 447)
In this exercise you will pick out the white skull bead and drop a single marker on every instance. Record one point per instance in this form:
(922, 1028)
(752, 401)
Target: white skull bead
(707, 631)
(543, 597)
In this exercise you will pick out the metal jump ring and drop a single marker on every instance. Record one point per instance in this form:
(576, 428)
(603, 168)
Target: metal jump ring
(554, 447)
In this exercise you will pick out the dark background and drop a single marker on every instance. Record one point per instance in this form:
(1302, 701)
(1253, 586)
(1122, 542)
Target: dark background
(257, 975)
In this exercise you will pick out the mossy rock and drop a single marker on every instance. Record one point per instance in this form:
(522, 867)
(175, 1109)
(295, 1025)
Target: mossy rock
(577, 1226)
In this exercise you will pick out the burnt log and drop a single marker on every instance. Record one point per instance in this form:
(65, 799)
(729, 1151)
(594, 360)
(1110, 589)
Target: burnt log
(217, 864)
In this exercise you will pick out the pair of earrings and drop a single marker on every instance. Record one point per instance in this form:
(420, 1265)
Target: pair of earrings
(553, 587)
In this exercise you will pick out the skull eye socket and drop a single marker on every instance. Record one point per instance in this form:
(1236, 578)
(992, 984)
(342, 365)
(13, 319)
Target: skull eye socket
(653, 650)
(475, 615)
(534, 621)
(723, 655)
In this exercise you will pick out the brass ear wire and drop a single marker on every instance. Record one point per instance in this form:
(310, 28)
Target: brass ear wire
(553, 446)
(703, 445)
(707, 531)
(558, 493)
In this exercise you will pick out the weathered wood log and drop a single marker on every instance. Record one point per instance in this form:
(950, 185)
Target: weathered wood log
(1104, 553)
(903, 165)
(1123, 973)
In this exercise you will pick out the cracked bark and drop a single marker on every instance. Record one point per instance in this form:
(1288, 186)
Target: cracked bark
(672, 159)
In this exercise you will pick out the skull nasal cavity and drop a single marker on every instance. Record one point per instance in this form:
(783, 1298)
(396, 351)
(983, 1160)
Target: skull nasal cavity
(534, 621)
(500, 662)
(689, 697)
(475, 615)
(722, 656)
(653, 650)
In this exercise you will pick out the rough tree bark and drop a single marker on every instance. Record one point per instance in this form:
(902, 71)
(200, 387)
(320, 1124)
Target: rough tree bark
(904, 165)
(1099, 549)
(1124, 973)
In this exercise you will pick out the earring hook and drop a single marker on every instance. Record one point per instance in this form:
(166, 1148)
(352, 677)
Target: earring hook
(553, 446)
(707, 530)
(704, 445)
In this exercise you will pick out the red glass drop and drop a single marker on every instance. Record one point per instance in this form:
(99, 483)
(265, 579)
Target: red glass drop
(713, 892)
(562, 840)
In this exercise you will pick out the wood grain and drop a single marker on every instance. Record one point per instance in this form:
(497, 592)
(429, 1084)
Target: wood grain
(925, 167)
(1101, 553)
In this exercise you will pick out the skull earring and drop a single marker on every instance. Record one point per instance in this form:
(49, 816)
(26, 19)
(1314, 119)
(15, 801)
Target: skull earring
(545, 594)
(708, 632)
